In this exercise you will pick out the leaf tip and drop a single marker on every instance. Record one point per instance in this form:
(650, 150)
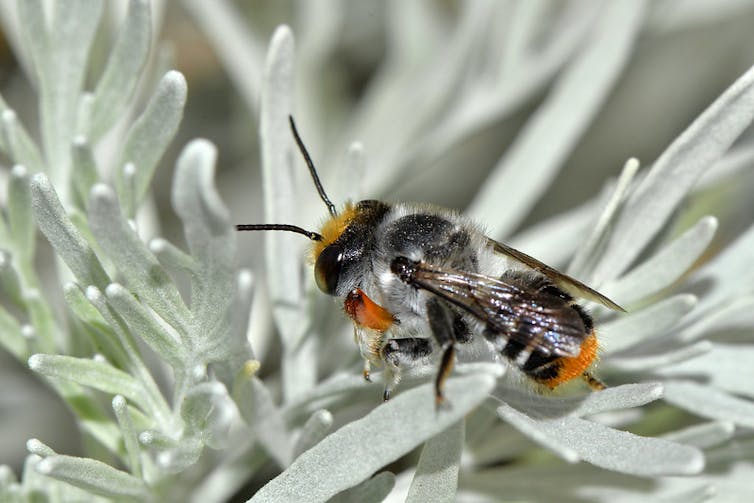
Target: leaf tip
(101, 193)
(119, 403)
(114, 290)
(176, 83)
(35, 362)
(45, 466)
(39, 182)
(36, 446)
(19, 172)
(93, 294)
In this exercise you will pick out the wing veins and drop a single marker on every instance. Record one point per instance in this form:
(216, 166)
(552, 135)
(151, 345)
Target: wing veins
(484, 297)
(564, 281)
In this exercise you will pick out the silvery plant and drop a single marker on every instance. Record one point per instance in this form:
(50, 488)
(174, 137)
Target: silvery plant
(199, 364)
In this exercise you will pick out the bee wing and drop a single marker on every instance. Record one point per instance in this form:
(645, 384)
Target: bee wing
(519, 314)
(567, 283)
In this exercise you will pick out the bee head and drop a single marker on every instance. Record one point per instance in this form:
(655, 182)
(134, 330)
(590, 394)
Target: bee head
(346, 240)
(339, 248)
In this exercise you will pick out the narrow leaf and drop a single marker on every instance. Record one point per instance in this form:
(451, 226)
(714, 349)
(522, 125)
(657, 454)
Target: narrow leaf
(724, 367)
(665, 267)
(212, 243)
(10, 280)
(710, 402)
(555, 240)
(61, 71)
(728, 276)
(436, 477)
(703, 435)
(141, 320)
(585, 256)
(258, 408)
(526, 171)
(373, 490)
(123, 69)
(393, 429)
(145, 275)
(610, 399)
(283, 250)
(17, 143)
(92, 373)
(675, 172)
(659, 360)
(130, 441)
(10, 336)
(606, 447)
(235, 43)
(656, 320)
(36, 446)
(93, 476)
(149, 137)
(171, 257)
(314, 430)
(20, 221)
(63, 236)
(84, 172)
(207, 412)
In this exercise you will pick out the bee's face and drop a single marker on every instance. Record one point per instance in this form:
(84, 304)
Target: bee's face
(340, 256)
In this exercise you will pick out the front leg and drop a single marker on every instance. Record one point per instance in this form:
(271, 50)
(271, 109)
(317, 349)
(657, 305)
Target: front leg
(370, 321)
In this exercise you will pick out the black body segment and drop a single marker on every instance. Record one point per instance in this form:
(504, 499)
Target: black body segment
(402, 351)
(439, 240)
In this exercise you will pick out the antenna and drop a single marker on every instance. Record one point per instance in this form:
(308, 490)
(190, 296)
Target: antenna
(312, 170)
(279, 227)
(321, 191)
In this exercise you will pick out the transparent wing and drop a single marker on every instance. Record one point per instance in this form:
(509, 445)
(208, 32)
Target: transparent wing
(524, 315)
(567, 283)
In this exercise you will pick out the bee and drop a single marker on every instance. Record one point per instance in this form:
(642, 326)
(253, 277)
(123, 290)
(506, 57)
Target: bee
(407, 270)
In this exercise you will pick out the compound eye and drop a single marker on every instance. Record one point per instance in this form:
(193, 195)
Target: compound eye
(327, 268)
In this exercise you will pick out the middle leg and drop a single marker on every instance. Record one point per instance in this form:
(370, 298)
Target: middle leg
(397, 353)
(442, 323)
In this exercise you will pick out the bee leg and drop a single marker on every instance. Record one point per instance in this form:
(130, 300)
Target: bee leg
(399, 352)
(392, 378)
(593, 382)
(446, 328)
(461, 330)
(446, 367)
(440, 318)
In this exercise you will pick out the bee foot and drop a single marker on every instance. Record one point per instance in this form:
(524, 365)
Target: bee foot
(446, 366)
(593, 382)
(386, 394)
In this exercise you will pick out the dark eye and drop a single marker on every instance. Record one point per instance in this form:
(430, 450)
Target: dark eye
(327, 268)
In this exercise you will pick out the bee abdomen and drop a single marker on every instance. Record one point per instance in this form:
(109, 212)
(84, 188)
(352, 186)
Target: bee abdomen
(536, 364)
(521, 346)
(546, 368)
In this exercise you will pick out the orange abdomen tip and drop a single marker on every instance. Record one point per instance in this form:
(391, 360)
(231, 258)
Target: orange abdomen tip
(573, 367)
(367, 313)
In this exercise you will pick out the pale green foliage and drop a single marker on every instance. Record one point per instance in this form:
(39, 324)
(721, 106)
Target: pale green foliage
(162, 331)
